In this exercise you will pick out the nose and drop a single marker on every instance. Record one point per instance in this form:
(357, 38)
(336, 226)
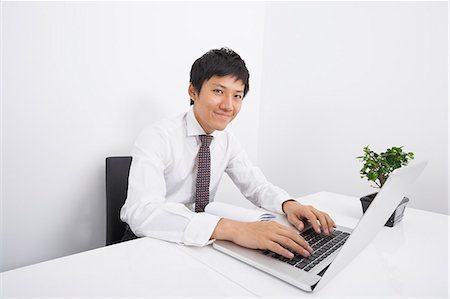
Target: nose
(227, 103)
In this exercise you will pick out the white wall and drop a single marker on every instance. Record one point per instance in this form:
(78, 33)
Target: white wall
(340, 76)
(79, 81)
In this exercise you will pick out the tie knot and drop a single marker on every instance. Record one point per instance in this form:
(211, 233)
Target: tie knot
(206, 140)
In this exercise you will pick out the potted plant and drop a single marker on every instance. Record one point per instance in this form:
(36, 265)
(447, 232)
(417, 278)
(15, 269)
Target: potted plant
(376, 168)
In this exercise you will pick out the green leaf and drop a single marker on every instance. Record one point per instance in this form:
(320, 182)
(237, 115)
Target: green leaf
(379, 166)
(372, 176)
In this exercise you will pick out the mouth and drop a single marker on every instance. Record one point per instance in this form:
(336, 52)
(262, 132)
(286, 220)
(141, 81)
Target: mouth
(222, 116)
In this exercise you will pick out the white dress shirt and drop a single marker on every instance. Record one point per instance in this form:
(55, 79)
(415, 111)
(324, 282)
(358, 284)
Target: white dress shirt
(162, 181)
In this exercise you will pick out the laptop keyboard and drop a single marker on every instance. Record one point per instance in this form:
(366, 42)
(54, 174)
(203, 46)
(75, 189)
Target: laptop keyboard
(322, 245)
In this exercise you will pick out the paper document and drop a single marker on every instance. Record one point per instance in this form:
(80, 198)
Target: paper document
(238, 213)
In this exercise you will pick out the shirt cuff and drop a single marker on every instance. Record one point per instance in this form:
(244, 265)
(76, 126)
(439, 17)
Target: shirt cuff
(278, 203)
(200, 228)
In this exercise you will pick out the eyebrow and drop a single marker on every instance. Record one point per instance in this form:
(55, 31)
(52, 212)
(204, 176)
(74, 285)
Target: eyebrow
(224, 87)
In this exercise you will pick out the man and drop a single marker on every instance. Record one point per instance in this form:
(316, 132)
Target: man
(178, 163)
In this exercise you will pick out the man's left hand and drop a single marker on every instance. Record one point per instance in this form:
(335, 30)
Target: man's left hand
(296, 212)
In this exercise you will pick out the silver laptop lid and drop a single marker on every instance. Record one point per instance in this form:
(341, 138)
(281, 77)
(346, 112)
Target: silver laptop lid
(386, 201)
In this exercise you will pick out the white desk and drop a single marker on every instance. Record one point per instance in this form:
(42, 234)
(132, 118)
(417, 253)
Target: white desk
(409, 260)
(140, 268)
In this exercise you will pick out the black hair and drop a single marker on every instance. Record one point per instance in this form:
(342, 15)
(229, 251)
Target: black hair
(218, 62)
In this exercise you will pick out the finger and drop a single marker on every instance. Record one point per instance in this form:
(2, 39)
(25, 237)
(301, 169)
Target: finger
(291, 244)
(286, 232)
(331, 224)
(301, 225)
(313, 220)
(275, 247)
(322, 220)
(295, 221)
(296, 238)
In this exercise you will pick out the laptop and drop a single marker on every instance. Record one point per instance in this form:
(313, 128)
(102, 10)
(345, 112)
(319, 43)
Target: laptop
(331, 253)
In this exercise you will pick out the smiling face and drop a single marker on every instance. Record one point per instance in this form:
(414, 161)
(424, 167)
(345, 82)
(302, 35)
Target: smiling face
(218, 102)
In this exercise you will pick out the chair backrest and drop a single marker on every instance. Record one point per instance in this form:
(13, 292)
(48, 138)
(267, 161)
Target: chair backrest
(117, 170)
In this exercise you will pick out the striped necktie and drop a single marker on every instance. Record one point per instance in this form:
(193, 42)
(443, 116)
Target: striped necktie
(203, 174)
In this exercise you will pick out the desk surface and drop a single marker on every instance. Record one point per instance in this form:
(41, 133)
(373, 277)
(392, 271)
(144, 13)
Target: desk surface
(140, 268)
(409, 260)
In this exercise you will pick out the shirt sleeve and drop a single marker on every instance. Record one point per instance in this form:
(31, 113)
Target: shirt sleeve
(146, 210)
(251, 181)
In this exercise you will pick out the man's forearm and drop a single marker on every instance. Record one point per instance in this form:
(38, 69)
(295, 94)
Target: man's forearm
(226, 229)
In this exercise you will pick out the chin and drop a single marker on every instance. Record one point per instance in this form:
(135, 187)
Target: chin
(220, 128)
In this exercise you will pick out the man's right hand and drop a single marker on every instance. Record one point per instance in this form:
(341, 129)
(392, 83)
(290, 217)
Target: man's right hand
(262, 235)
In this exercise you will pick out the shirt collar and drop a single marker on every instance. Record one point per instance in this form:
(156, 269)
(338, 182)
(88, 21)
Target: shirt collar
(193, 126)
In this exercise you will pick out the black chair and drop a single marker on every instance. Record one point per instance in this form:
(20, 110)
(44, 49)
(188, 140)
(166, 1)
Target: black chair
(117, 170)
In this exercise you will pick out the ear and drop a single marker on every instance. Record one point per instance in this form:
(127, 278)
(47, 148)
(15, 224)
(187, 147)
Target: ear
(192, 92)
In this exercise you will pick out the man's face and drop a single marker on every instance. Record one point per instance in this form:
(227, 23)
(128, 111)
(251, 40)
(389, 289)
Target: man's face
(218, 103)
